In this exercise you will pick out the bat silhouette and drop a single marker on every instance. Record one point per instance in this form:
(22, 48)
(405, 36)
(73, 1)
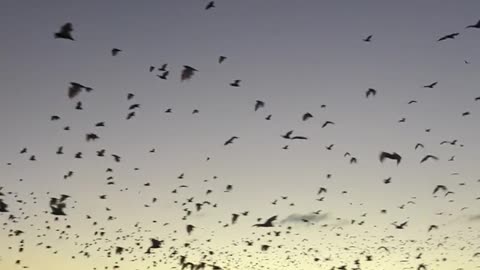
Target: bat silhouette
(65, 32)
(267, 223)
(393, 156)
(449, 36)
(259, 104)
(187, 73)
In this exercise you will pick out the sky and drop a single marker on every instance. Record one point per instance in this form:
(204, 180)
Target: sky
(296, 57)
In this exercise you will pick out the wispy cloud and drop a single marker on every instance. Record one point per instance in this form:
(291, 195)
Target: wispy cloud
(299, 218)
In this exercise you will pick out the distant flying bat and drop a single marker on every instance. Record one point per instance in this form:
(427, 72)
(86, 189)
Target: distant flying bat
(115, 51)
(412, 101)
(230, 141)
(92, 137)
(190, 228)
(235, 218)
(130, 115)
(163, 67)
(117, 158)
(259, 104)
(422, 267)
(450, 36)
(65, 32)
(298, 138)
(439, 187)
(268, 223)
(154, 245)
(418, 145)
(210, 5)
(287, 135)
(327, 123)
(477, 25)
(134, 106)
(3, 207)
(401, 226)
(321, 190)
(187, 73)
(235, 83)
(307, 116)
(430, 85)
(427, 157)
(164, 75)
(57, 205)
(76, 88)
(222, 59)
(130, 96)
(454, 142)
(368, 39)
(432, 227)
(393, 156)
(370, 92)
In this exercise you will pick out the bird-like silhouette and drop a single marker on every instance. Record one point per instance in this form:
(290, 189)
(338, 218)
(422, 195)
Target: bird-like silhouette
(190, 228)
(164, 75)
(368, 38)
(439, 187)
(210, 5)
(370, 92)
(326, 123)
(394, 156)
(432, 227)
(3, 207)
(259, 104)
(400, 226)
(115, 51)
(267, 223)
(476, 25)
(57, 206)
(418, 145)
(235, 83)
(187, 73)
(427, 157)
(230, 141)
(431, 86)
(287, 135)
(91, 137)
(65, 32)
(154, 244)
(76, 88)
(449, 36)
(307, 116)
(221, 59)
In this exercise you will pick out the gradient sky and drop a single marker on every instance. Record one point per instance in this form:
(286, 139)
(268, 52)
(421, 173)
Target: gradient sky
(294, 56)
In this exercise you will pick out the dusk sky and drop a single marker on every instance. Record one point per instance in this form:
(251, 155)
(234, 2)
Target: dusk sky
(297, 57)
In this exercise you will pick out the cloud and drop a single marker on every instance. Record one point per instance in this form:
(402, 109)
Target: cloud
(298, 218)
(475, 218)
